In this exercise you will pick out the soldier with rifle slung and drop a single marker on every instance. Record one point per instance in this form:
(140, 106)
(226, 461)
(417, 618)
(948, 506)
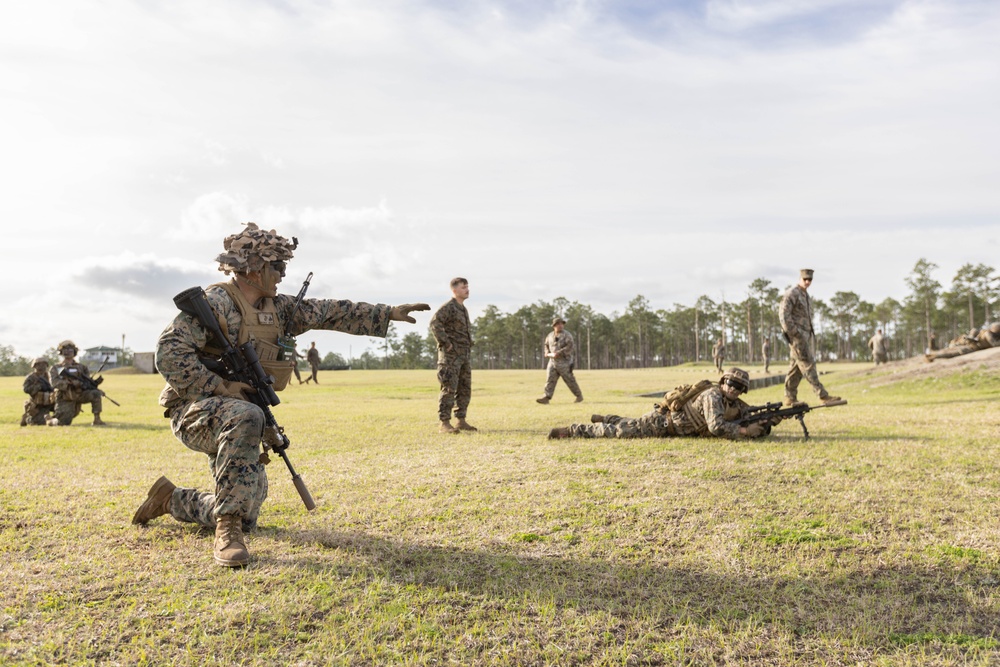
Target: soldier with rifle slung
(41, 395)
(74, 386)
(218, 392)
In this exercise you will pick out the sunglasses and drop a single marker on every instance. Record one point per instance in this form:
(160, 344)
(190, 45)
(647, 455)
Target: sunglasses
(808, 280)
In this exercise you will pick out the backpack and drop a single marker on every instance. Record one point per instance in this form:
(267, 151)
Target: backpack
(675, 399)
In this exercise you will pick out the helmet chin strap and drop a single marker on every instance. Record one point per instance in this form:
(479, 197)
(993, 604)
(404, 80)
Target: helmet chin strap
(269, 293)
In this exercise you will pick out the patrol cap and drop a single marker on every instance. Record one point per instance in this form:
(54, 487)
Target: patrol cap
(805, 273)
(558, 320)
(736, 377)
(39, 361)
(254, 247)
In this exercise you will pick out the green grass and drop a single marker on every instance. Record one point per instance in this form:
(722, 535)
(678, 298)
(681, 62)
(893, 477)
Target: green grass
(874, 542)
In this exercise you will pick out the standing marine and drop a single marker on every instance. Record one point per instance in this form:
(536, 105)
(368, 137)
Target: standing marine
(705, 409)
(312, 356)
(209, 413)
(74, 387)
(452, 330)
(41, 395)
(795, 315)
(876, 344)
(765, 351)
(719, 354)
(560, 350)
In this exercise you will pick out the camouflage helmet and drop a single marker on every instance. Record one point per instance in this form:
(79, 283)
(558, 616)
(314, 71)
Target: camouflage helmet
(995, 328)
(67, 343)
(252, 248)
(39, 361)
(736, 377)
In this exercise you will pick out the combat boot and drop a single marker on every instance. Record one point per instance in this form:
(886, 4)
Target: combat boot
(544, 400)
(559, 433)
(446, 427)
(596, 419)
(793, 403)
(24, 420)
(230, 546)
(157, 501)
(97, 419)
(829, 399)
(463, 425)
(579, 399)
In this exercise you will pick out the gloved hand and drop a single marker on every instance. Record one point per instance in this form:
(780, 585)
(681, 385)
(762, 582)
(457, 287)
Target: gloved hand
(401, 313)
(231, 389)
(755, 430)
(99, 380)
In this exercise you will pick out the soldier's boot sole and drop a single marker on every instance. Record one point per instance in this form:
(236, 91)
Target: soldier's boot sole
(596, 419)
(157, 502)
(559, 433)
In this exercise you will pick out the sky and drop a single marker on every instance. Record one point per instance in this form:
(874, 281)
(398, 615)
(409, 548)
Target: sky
(589, 149)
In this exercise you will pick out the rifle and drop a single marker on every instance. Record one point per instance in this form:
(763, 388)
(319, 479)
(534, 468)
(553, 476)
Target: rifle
(768, 411)
(287, 340)
(90, 383)
(243, 365)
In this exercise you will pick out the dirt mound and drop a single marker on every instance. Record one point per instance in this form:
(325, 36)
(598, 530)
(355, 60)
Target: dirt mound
(918, 368)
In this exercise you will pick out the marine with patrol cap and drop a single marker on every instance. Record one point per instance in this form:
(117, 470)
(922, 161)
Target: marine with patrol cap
(66, 378)
(706, 410)
(210, 414)
(41, 394)
(560, 350)
(795, 315)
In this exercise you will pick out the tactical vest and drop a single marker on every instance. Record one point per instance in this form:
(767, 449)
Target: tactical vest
(260, 325)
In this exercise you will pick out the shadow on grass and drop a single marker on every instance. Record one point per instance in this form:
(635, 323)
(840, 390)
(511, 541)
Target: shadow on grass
(867, 604)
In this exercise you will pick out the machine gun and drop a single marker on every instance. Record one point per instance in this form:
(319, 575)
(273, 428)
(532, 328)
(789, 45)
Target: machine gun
(241, 364)
(88, 383)
(287, 340)
(769, 411)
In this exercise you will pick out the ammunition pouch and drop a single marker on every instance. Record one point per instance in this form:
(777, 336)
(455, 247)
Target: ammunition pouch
(43, 398)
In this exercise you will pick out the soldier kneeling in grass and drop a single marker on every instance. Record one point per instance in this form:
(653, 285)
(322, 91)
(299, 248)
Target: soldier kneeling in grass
(704, 409)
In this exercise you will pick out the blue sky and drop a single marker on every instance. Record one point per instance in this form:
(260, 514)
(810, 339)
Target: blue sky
(590, 150)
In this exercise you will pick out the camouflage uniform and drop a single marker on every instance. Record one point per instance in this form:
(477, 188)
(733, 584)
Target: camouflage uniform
(709, 414)
(452, 329)
(877, 345)
(312, 356)
(561, 365)
(765, 351)
(719, 354)
(228, 429)
(795, 315)
(70, 396)
(41, 398)
(973, 341)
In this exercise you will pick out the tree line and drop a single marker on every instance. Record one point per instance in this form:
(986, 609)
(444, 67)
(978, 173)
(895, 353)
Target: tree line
(642, 336)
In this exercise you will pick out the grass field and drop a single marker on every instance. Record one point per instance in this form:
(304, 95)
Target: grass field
(875, 542)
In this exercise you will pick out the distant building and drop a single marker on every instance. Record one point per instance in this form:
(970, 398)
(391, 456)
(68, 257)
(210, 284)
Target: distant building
(94, 356)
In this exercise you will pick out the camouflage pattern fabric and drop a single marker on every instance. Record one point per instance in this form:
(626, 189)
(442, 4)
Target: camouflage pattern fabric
(795, 315)
(229, 430)
(451, 327)
(719, 354)
(765, 351)
(36, 410)
(710, 414)
(312, 356)
(974, 341)
(877, 345)
(454, 374)
(70, 396)
(560, 366)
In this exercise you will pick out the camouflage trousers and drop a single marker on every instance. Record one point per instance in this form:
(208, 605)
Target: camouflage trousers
(66, 411)
(561, 369)
(228, 430)
(719, 360)
(654, 424)
(953, 351)
(802, 364)
(454, 374)
(35, 414)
